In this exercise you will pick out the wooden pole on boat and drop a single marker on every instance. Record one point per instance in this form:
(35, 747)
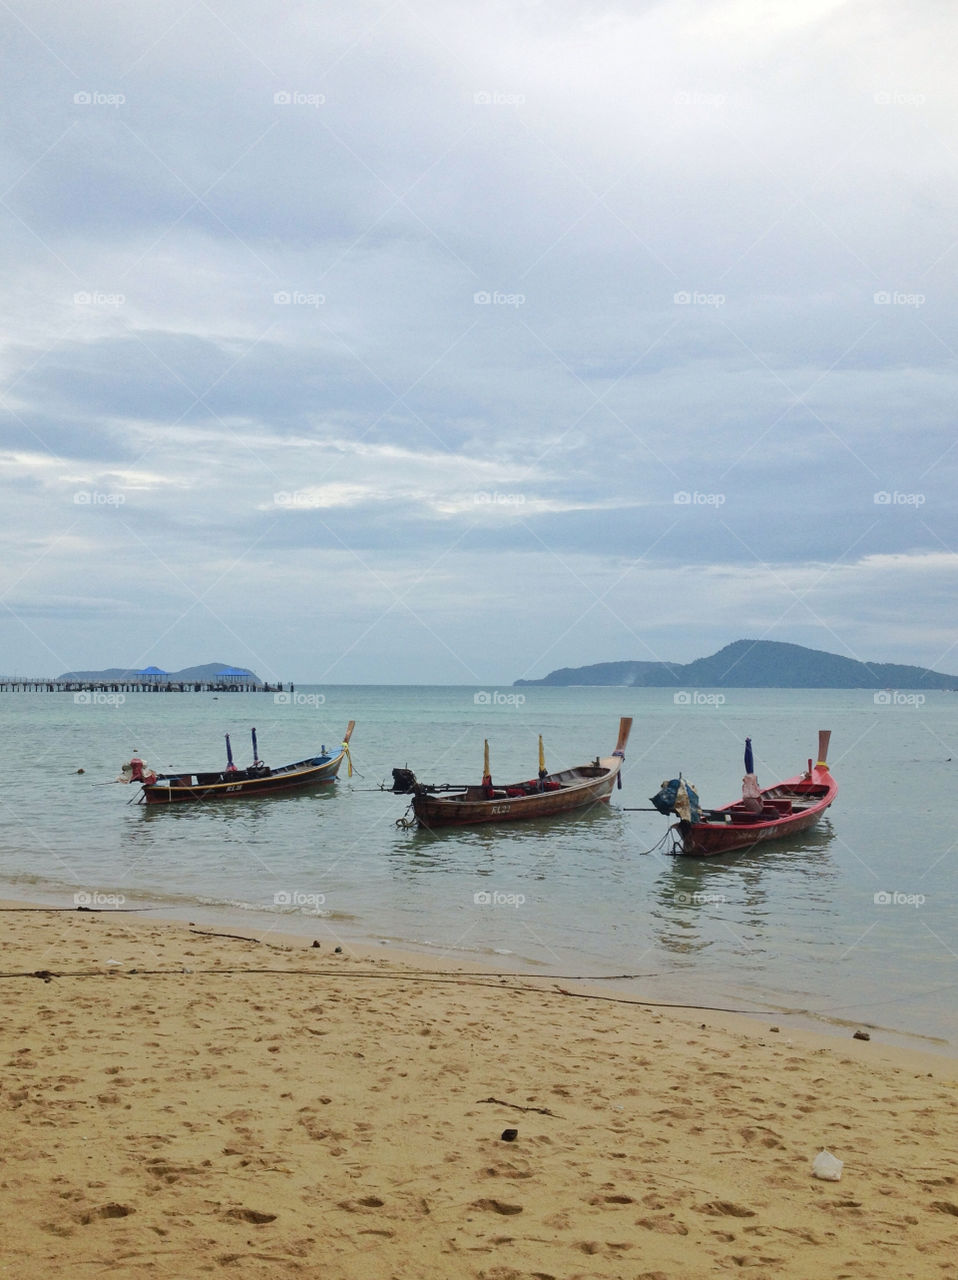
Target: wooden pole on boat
(229, 754)
(625, 728)
(824, 737)
(487, 787)
(543, 771)
(345, 748)
(255, 749)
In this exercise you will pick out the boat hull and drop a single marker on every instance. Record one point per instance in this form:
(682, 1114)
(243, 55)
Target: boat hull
(565, 792)
(183, 792)
(727, 829)
(190, 788)
(454, 811)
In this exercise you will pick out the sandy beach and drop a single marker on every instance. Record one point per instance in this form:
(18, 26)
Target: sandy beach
(176, 1104)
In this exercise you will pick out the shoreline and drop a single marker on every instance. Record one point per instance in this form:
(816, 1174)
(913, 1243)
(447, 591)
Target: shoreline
(176, 1099)
(816, 1030)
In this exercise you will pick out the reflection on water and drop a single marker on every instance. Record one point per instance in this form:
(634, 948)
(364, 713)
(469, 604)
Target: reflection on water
(792, 922)
(733, 899)
(420, 850)
(232, 816)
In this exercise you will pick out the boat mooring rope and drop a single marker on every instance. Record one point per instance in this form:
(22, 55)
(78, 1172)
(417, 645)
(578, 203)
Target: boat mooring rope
(405, 822)
(657, 847)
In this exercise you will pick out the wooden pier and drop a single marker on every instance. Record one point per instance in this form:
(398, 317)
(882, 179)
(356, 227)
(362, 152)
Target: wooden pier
(45, 684)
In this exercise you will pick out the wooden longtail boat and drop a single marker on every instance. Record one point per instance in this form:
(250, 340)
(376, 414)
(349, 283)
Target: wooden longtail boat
(258, 780)
(544, 797)
(769, 813)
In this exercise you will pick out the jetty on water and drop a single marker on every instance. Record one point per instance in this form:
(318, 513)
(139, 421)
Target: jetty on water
(44, 684)
(214, 678)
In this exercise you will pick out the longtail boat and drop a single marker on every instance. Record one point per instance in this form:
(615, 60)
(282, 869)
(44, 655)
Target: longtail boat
(763, 813)
(545, 796)
(257, 780)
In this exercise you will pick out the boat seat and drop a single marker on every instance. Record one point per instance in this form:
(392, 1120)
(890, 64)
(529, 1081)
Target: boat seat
(741, 814)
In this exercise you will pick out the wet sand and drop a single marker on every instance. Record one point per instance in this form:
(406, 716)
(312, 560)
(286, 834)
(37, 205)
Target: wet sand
(175, 1104)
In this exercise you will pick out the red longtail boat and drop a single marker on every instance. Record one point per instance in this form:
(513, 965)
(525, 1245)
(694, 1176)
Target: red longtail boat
(764, 813)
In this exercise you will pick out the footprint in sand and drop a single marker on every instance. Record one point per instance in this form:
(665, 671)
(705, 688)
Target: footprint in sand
(367, 1202)
(613, 1247)
(111, 1210)
(497, 1206)
(507, 1171)
(767, 1137)
(666, 1224)
(944, 1206)
(248, 1215)
(725, 1209)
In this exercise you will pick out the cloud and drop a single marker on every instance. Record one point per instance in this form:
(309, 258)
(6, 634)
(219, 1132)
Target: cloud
(510, 304)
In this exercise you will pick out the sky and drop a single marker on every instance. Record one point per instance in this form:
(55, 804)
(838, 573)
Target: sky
(447, 343)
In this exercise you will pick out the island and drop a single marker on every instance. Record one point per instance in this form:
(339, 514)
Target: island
(208, 673)
(754, 664)
(87, 686)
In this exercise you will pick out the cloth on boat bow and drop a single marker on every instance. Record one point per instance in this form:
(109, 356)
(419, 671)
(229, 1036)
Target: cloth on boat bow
(678, 797)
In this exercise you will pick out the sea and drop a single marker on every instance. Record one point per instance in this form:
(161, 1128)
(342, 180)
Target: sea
(852, 924)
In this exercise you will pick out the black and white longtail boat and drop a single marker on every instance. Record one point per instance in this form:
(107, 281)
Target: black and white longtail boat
(259, 779)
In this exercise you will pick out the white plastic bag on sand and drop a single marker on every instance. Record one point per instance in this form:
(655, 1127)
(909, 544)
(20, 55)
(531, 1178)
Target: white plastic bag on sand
(827, 1166)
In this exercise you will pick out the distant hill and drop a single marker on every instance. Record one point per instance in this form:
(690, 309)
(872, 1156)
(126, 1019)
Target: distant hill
(208, 672)
(754, 664)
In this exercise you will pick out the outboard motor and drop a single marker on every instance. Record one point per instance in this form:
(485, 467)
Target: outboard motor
(679, 797)
(404, 782)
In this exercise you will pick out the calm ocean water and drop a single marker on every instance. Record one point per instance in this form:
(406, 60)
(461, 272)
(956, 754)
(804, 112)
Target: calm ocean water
(795, 926)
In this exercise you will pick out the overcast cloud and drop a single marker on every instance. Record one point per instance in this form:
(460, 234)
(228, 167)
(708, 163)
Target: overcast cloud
(455, 343)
